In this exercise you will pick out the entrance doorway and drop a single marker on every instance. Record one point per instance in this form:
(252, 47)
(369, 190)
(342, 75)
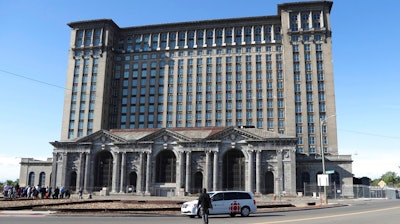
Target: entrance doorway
(103, 170)
(233, 172)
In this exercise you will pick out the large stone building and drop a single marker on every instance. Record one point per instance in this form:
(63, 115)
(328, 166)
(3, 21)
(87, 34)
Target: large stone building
(153, 108)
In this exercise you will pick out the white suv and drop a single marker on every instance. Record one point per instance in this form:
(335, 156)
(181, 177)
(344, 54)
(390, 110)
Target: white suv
(224, 202)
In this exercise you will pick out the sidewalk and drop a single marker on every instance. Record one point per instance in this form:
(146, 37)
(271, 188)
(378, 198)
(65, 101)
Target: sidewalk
(134, 204)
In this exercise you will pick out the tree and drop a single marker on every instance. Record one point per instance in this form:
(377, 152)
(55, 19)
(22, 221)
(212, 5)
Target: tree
(390, 178)
(9, 182)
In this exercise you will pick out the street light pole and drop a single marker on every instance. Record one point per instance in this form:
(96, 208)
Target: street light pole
(321, 122)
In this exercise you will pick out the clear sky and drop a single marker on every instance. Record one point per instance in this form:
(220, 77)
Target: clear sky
(34, 42)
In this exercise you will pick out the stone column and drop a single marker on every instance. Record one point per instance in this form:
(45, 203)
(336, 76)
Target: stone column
(258, 171)
(299, 25)
(80, 173)
(139, 183)
(243, 36)
(64, 169)
(273, 34)
(188, 172)
(321, 19)
(252, 35)
(195, 39)
(53, 170)
(186, 39)
(86, 182)
(101, 37)
(167, 45)
(250, 169)
(214, 35)
(207, 173)
(177, 40)
(215, 172)
(123, 172)
(233, 36)
(159, 41)
(115, 174)
(263, 34)
(148, 167)
(179, 171)
(150, 41)
(279, 173)
(205, 38)
(223, 37)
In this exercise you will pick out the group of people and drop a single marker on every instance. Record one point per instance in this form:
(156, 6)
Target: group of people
(35, 192)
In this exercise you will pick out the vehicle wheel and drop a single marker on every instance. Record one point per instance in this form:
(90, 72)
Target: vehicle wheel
(245, 211)
(232, 215)
(191, 216)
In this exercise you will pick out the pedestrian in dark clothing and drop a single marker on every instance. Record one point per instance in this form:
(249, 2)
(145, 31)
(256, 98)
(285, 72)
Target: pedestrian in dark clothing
(205, 203)
(42, 192)
(56, 192)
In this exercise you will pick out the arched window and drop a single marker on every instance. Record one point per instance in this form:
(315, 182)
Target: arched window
(31, 179)
(42, 179)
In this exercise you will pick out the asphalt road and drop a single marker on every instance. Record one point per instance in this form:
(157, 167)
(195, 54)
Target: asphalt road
(358, 211)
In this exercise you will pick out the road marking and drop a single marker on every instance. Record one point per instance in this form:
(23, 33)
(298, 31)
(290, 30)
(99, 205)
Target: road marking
(328, 216)
(25, 213)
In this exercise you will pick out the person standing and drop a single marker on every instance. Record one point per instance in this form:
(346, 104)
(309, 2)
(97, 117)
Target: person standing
(205, 203)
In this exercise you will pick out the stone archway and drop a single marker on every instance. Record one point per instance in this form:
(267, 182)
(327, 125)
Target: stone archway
(166, 167)
(233, 170)
(103, 170)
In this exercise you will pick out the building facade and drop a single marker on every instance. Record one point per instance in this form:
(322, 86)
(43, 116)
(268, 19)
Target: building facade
(273, 73)
(35, 172)
(177, 160)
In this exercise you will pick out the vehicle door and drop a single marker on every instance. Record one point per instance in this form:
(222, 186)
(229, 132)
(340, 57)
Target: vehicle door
(217, 201)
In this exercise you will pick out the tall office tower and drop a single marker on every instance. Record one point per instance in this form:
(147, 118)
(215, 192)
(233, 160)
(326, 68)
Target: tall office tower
(271, 72)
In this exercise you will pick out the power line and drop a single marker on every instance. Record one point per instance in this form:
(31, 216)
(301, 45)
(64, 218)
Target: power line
(60, 87)
(370, 134)
(31, 79)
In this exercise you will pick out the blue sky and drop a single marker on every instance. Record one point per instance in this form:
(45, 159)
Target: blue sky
(34, 42)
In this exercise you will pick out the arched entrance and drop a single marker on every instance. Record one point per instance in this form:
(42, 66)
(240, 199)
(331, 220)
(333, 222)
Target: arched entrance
(198, 182)
(133, 181)
(72, 181)
(166, 167)
(269, 182)
(103, 170)
(233, 171)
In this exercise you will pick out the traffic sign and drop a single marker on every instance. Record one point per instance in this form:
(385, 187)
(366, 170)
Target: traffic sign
(330, 172)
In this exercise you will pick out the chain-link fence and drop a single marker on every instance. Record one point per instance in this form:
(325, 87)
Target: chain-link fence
(351, 191)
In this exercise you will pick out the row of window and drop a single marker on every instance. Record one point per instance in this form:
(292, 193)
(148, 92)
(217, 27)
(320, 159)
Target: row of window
(189, 39)
(305, 20)
(211, 37)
